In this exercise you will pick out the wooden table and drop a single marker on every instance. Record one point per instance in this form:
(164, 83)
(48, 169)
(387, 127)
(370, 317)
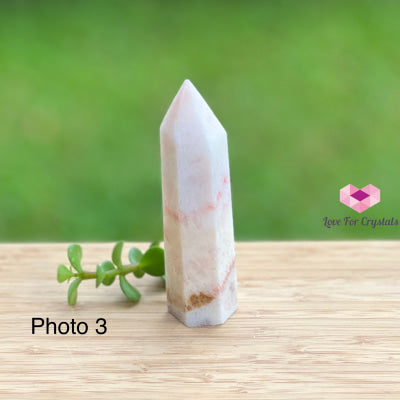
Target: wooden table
(316, 320)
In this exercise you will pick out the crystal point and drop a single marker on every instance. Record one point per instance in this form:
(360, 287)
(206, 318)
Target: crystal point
(197, 212)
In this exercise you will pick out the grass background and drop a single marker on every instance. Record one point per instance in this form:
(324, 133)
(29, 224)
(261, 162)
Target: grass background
(307, 91)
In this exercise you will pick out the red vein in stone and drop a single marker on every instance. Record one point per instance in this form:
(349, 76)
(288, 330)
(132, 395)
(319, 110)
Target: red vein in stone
(220, 288)
(183, 218)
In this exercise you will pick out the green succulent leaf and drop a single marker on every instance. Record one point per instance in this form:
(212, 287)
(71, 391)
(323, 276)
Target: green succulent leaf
(139, 273)
(155, 244)
(117, 254)
(100, 275)
(130, 292)
(75, 256)
(152, 261)
(107, 266)
(135, 255)
(73, 291)
(63, 273)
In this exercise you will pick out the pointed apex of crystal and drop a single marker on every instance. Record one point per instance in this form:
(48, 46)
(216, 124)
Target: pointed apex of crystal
(189, 109)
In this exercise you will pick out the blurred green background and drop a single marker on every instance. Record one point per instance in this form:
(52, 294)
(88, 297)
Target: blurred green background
(307, 91)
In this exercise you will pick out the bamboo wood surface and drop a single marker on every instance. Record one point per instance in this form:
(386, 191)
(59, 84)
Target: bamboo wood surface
(316, 320)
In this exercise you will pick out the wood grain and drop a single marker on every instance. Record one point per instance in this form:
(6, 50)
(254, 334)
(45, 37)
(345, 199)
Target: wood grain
(316, 320)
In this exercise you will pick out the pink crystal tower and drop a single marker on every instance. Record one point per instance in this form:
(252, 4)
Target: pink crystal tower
(198, 225)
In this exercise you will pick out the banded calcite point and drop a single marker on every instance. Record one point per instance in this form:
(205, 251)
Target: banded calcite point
(197, 208)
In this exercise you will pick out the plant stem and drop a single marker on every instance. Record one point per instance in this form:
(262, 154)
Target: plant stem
(126, 269)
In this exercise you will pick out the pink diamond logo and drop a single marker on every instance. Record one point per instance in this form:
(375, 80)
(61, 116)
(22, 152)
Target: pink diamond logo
(360, 199)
